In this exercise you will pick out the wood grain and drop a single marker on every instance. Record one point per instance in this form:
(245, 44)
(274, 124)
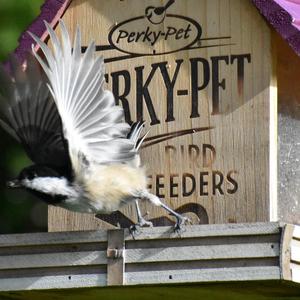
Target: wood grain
(115, 262)
(236, 274)
(50, 282)
(295, 257)
(74, 258)
(214, 230)
(241, 129)
(286, 237)
(207, 253)
(53, 238)
(290, 249)
(202, 252)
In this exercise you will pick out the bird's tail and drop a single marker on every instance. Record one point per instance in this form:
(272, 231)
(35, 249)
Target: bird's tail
(135, 132)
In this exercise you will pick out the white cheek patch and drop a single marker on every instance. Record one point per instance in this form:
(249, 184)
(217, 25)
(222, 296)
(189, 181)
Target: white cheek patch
(51, 185)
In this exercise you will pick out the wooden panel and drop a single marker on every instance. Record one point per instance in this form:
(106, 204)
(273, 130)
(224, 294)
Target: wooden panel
(52, 282)
(60, 219)
(56, 238)
(201, 252)
(207, 231)
(83, 258)
(236, 274)
(204, 253)
(53, 238)
(211, 101)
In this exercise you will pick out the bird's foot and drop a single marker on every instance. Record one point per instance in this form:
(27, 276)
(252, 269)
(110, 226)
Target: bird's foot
(134, 229)
(181, 220)
(144, 223)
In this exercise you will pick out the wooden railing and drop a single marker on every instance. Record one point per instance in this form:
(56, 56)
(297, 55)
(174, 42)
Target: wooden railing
(202, 253)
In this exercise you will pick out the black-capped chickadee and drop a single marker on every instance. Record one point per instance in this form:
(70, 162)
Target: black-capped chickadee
(85, 155)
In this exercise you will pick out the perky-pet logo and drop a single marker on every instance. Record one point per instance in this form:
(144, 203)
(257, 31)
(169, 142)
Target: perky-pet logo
(142, 35)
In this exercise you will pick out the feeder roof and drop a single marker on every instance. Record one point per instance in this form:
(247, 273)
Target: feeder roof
(284, 16)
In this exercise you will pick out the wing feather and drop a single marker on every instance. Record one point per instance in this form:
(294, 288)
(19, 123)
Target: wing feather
(29, 114)
(92, 124)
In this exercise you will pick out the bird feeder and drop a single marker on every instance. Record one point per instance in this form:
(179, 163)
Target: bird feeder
(222, 149)
(202, 75)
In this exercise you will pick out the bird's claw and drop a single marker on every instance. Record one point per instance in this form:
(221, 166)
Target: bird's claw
(134, 229)
(181, 221)
(143, 223)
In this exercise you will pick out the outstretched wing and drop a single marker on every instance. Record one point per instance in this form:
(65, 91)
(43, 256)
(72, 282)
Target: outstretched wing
(93, 125)
(29, 114)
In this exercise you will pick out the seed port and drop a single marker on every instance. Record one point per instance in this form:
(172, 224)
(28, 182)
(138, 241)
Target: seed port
(70, 277)
(170, 277)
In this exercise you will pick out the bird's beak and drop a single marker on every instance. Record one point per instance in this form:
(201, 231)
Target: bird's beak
(15, 183)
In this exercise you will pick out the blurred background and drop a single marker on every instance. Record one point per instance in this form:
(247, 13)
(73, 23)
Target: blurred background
(19, 211)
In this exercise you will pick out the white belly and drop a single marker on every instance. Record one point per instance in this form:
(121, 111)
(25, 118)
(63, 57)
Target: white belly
(106, 189)
(102, 205)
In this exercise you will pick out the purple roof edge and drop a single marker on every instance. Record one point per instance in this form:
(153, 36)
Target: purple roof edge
(281, 20)
(51, 11)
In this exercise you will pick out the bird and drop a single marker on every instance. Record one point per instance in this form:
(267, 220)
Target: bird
(85, 156)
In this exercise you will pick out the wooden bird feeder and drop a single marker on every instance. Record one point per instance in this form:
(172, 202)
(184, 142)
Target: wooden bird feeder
(222, 149)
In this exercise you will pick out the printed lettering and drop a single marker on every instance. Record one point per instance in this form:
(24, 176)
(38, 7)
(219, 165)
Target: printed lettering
(142, 92)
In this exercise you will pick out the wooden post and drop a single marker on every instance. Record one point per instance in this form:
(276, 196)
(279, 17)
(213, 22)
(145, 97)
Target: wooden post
(286, 238)
(115, 256)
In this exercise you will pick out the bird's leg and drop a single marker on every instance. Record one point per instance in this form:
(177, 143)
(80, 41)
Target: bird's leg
(180, 220)
(141, 221)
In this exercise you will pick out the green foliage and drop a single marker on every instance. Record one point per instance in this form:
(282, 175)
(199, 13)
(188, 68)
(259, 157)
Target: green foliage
(19, 212)
(15, 17)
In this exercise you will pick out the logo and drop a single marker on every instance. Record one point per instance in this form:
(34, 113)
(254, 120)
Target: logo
(156, 15)
(155, 33)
